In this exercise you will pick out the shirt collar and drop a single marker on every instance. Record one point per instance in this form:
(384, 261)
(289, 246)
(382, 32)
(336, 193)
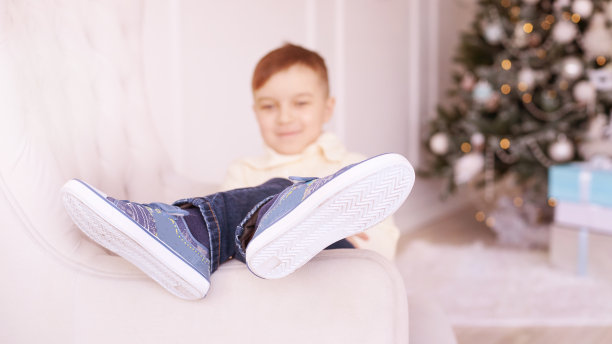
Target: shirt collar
(327, 145)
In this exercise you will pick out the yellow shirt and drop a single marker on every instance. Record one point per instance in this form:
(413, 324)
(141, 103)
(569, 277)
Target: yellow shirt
(323, 157)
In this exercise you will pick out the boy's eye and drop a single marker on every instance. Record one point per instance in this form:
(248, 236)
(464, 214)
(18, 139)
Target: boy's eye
(266, 106)
(301, 103)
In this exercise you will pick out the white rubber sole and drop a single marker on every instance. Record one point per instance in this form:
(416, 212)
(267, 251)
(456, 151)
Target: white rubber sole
(352, 202)
(109, 227)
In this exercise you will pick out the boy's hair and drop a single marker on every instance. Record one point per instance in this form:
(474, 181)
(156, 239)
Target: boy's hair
(284, 57)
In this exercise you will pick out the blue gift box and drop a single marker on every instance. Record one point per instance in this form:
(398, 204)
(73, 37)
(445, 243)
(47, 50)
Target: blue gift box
(580, 183)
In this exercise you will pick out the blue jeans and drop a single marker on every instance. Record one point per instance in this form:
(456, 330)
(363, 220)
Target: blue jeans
(226, 213)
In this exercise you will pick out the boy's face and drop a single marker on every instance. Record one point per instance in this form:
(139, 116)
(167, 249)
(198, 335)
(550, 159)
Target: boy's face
(291, 108)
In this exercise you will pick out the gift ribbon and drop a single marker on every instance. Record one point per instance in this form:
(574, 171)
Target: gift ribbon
(583, 251)
(584, 179)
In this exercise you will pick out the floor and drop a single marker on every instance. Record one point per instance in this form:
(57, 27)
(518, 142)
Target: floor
(461, 228)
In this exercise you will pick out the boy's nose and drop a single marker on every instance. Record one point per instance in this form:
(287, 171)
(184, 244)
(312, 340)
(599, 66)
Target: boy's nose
(285, 116)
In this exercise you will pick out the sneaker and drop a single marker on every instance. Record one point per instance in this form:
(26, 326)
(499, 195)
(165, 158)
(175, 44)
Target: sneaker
(313, 213)
(154, 237)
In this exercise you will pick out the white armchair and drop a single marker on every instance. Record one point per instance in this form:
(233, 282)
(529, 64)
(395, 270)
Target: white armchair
(71, 117)
(60, 287)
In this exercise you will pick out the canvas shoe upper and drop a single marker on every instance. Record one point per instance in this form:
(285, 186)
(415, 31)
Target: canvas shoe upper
(313, 213)
(154, 237)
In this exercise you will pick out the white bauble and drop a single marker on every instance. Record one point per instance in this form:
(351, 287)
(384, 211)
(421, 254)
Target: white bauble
(564, 32)
(562, 150)
(560, 4)
(572, 68)
(467, 167)
(477, 140)
(597, 127)
(493, 32)
(597, 40)
(584, 92)
(583, 7)
(527, 76)
(520, 36)
(438, 143)
(483, 92)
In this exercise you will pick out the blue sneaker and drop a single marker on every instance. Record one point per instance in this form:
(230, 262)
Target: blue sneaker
(154, 237)
(313, 213)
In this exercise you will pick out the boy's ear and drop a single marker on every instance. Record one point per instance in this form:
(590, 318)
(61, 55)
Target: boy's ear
(330, 104)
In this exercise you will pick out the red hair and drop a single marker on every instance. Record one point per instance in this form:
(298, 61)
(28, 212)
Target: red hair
(284, 57)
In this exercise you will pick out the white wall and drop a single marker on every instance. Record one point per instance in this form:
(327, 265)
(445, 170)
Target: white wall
(204, 60)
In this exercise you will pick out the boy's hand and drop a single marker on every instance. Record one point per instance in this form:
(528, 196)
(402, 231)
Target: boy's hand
(361, 236)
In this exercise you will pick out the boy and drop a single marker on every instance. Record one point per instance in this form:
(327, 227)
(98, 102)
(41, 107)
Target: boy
(274, 228)
(291, 101)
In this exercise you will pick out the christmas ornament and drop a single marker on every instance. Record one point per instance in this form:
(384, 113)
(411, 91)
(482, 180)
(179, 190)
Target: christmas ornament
(519, 38)
(483, 91)
(564, 32)
(562, 150)
(560, 5)
(477, 140)
(527, 77)
(468, 81)
(493, 32)
(597, 40)
(467, 167)
(583, 7)
(601, 78)
(584, 92)
(572, 68)
(597, 127)
(438, 143)
(598, 139)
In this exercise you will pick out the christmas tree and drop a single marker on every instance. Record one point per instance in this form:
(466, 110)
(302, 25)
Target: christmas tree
(534, 89)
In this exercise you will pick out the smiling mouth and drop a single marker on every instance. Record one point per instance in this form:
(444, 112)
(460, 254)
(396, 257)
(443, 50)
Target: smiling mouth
(288, 133)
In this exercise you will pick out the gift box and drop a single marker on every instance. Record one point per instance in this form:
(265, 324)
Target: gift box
(591, 216)
(580, 183)
(582, 251)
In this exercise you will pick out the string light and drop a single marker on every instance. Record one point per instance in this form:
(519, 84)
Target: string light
(466, 147)
(515, 11)
(527, 98)
(563, 85)
(522, 86)
(567, 15)
(601, 60)
(528, 27)
(552, 202)
(504, 143)
(480, 216)
(550, 18)
(505, 88)
(490, 221)
(506, 64)
(518, 202)
(541, 53)
(575, 18)
(506, 3)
